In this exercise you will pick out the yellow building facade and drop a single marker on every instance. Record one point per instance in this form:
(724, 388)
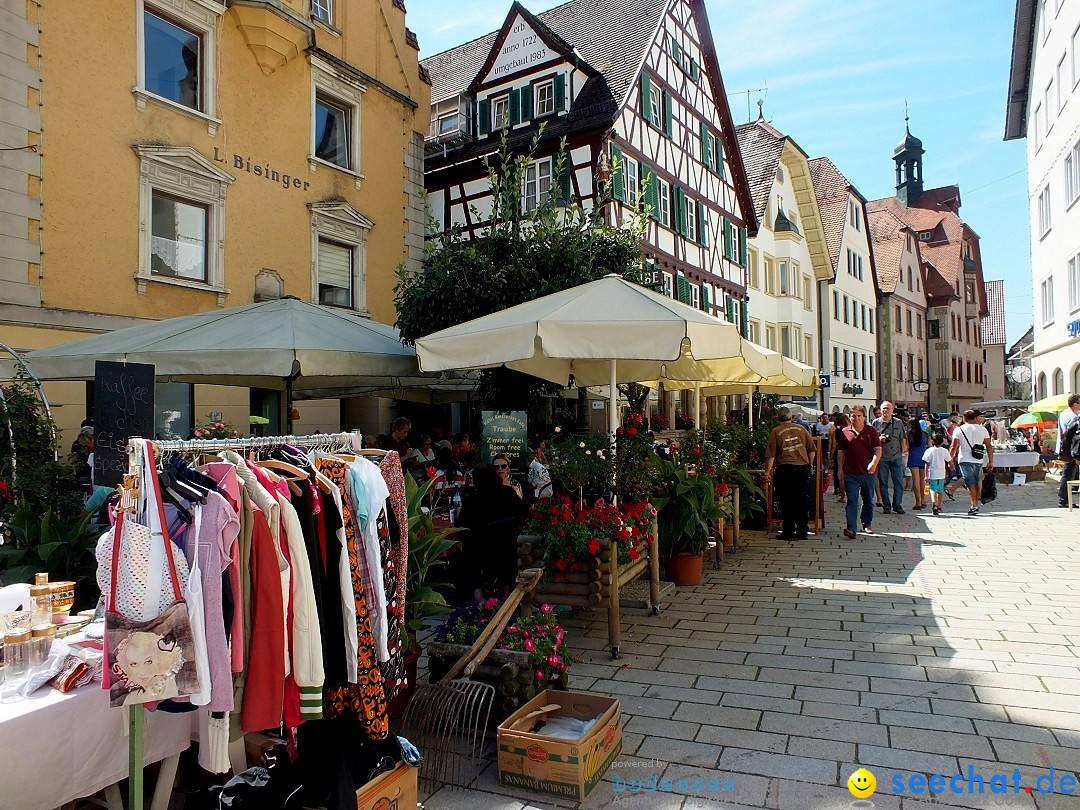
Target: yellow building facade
(198, 154)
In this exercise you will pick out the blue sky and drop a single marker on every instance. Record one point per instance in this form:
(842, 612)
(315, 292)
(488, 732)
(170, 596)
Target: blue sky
(838, 73)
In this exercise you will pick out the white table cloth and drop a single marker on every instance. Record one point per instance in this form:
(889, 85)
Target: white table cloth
(56, 748)
(1015, 459)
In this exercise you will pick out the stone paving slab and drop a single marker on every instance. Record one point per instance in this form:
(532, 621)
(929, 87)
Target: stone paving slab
(938, 645)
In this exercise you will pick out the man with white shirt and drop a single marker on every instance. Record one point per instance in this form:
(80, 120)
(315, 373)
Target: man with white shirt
(972, 449)
(1065, 421)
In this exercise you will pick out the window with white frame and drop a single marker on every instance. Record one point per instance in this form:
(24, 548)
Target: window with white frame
(1074, 283)
(836, 305)
(630, 175)
(656, 106)
(1036, 130)
(1047, 289)
(1075, 52)
(663, 191)
(695, 296)
(855, 214)
(691, 220)
(871, 322)
(753, 330)
(669, 285)
(323, 11)
(1072, 174)
(770, 337)
(545, 98)
(808, 292)
(181, 219)
(835, 359)
(847, 368)
(786, 281)
(1048, 105)
(335, 118)
(1059, 77)
(1044, 210)
(770, 277)
(500, 112)
(176, 56)
(847, 305)
(785, 341)
(536, 184)
(753, 270)
(339, 255)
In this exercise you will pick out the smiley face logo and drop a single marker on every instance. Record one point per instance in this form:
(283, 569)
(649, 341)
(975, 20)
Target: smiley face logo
(862, 783)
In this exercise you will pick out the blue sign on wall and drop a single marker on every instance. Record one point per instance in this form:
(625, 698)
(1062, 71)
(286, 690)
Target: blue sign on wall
(825, 381)
(1074, 328)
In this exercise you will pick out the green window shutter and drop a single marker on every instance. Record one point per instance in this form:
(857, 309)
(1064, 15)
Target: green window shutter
(562, 182)
(729, 308)
(560, 92)
(705, 302)
(718, 158)
(683, 289)
(646, 97)
(515, 107)
(667, 113)
(679, 219)
(706, 146)
(743, 259)
(676, 50)
(695, 73)
(527, 103)
(728, 253)
(617, 173)
(744, 318)
(483, 116)
(652, 198)
(702, 224)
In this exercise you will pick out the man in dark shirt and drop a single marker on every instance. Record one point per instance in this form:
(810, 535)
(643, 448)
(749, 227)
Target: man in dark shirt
(791, 451)
(399, 431)
(858, 453)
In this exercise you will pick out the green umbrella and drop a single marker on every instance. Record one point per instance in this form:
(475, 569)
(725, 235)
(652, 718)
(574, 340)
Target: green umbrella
(258, 420)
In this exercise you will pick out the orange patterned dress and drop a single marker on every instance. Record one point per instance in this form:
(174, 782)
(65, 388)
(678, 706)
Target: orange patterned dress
(367, 696)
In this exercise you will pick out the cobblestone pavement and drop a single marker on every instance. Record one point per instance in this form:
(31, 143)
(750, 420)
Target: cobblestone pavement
(941, 645)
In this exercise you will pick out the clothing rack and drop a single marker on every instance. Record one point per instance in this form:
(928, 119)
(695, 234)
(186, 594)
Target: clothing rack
(136, 713)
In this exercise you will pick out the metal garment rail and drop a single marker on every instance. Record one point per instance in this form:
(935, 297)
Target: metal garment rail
(328, 441)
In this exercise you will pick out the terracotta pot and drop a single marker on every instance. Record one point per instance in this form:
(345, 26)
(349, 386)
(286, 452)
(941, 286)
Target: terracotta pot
(729, 536)
(397, 706)
(684, 567)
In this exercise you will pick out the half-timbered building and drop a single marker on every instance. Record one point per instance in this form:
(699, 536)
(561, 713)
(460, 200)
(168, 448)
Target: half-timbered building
(634, 87)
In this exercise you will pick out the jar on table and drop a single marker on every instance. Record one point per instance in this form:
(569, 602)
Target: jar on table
(40, 605)
(16, 664)
(41, 640)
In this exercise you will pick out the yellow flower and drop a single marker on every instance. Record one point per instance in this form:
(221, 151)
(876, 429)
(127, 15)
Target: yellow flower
(582, 444)
(588, 452)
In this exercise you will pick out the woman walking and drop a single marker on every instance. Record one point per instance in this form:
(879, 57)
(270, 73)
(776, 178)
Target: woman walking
(917, 445)
(842, 422)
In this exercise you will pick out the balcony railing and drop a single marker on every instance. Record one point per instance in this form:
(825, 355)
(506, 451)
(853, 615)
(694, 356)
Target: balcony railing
(451, 127)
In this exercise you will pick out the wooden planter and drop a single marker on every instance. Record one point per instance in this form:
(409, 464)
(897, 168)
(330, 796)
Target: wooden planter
(509, 671)
(599, 584)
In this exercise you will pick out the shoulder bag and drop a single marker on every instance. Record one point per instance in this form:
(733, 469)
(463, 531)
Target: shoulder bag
(978, 451)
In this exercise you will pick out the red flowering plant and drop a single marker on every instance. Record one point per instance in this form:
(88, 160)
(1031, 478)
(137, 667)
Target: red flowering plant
(540, 635)
(574, 533)
(215, 429)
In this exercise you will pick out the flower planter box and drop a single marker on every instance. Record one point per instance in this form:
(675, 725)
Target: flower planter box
(509, 671)
(596, 586)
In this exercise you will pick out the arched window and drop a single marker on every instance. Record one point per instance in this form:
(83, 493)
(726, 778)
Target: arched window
(1040, 388)
(1076, 379)
(1059, 382)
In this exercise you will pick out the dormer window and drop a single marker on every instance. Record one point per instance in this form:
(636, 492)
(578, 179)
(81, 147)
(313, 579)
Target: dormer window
(500, 112)
(545, 98)
(926, 236)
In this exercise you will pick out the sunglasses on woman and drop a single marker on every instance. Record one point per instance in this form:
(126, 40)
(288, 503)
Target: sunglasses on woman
(502, 466)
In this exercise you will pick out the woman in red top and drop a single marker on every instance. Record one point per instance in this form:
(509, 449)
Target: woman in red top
(858, 452)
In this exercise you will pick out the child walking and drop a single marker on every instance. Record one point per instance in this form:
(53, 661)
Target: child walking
(936, 458)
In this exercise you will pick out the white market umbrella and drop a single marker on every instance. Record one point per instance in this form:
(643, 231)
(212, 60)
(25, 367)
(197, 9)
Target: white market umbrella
(286, 344)
(604, 332)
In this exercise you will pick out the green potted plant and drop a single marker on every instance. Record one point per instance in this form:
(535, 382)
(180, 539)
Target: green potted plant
(424, 595)
(686, 506)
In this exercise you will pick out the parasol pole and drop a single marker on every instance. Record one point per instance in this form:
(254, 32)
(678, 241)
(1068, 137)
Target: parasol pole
(697, 405)
(613, 419)
(750, 404)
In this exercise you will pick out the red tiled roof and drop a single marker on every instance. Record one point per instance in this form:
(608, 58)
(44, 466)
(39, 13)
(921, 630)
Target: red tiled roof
(831, 189)
(761, 145)
(887, 235)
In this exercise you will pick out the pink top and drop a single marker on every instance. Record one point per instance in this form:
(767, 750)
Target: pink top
(225, 474)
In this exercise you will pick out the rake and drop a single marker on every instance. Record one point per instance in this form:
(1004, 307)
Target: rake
(447, 720)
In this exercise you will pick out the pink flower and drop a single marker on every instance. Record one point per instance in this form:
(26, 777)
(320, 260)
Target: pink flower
(539, 675)
(529, 646)
(491, 603)
(559, 636)
(554, 659)
(512, 629)
(546, 608)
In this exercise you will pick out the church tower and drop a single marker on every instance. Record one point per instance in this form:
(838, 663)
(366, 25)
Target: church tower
(909, 169)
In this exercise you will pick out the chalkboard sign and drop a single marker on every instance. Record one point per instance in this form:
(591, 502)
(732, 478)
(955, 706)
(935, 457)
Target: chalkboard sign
(123, 408)
(506, 433)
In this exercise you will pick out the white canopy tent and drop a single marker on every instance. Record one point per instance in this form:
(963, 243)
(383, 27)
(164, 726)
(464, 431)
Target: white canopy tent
(305, 350)
(606, 331)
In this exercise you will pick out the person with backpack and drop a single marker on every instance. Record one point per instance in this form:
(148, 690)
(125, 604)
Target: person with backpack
(971, 448)
(1068, 447)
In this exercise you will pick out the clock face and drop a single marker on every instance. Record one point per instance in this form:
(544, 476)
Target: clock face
(1020, 374)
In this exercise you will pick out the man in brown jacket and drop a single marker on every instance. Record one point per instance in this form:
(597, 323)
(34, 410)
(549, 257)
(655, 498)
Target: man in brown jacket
(791, 451)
